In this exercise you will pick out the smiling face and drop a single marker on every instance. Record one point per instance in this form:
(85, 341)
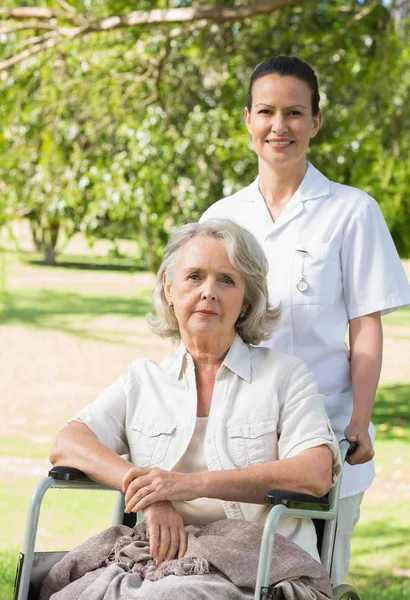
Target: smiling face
(281, 121)
(206, 291)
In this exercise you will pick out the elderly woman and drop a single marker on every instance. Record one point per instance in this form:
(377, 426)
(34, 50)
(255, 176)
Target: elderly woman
(213, 427)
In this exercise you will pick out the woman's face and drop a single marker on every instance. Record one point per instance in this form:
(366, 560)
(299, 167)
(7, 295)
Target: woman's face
(206, 291)
(281, 122)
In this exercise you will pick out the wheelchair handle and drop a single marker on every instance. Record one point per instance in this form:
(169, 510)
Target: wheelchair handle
(352, 449)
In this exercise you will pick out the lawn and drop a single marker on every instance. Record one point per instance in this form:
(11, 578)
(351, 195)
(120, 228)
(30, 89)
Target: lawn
(65, 333)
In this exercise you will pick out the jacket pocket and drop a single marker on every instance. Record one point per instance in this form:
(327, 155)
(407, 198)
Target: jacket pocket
(253, 443)
(149, 443)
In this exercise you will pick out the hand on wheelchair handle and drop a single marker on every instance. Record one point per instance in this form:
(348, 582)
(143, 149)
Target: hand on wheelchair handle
(352, 449)
(363, 450)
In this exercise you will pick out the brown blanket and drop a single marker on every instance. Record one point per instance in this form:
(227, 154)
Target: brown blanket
(221, 561)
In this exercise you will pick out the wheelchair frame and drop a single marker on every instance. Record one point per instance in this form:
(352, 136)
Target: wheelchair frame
(285, 504)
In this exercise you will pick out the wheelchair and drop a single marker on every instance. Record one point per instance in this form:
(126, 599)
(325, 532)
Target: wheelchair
(33, 566)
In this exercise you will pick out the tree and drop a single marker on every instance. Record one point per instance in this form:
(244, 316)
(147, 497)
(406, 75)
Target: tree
(71, 129)
(133, 131)
(69, 22)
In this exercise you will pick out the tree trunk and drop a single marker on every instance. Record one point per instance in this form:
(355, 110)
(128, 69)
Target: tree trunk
(50, 243)
(37, 234)
(49, 256)
(401, 12)
(45, 240)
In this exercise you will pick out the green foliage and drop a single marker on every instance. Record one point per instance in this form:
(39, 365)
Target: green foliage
(132, 132)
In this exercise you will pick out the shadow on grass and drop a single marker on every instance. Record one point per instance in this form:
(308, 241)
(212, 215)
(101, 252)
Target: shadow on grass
(115, 265)
(380, 561)
(386, 534)
(65, 311)
(391, 413)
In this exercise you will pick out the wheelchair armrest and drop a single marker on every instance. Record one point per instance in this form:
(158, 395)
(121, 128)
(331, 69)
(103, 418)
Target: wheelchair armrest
(297, 500)
(68, 474)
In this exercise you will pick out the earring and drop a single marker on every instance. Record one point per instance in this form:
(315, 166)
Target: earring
(171, 305)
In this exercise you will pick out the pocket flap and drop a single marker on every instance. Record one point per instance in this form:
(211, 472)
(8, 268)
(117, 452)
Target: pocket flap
(154, 429)
(252, 430)
(322, 250)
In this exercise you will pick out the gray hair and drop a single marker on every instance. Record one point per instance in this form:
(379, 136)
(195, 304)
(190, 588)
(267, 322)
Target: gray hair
(246, 256)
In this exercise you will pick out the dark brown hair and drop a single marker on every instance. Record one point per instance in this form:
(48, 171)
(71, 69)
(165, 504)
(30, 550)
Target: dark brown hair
(287, 66)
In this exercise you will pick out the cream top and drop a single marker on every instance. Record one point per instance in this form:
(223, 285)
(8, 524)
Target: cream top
(265, 407)
(200, 511)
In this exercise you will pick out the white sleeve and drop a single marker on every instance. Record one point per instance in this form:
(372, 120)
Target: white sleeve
(106, 416)
(303, 422)
(373, 276)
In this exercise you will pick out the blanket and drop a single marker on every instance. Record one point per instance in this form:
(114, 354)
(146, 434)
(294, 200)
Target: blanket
(220, 563)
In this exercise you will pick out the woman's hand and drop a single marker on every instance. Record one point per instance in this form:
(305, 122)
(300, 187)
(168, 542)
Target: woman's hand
(156, 485)
(166, 532)
(360, 434)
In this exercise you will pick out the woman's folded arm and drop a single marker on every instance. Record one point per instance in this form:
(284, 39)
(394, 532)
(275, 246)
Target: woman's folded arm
(309, 472)
(77, 446)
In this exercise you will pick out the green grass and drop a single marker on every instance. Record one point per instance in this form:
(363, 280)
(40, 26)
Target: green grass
(391, 413)
(380, 567)
(67, 517)
(380, 552)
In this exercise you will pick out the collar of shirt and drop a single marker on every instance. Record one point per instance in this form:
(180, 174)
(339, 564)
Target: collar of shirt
(314, 185)
(237, 360)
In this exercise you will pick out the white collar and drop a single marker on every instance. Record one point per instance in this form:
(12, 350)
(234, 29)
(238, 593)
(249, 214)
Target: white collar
(237, 360)
(314, 185)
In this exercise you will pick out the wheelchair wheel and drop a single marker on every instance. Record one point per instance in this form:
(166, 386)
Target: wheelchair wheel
(345, 592)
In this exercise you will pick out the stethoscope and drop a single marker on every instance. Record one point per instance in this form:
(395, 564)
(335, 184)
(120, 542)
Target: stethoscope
(302, 285)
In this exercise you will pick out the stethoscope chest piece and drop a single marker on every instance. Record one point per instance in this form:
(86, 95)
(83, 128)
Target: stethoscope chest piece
(302, 285)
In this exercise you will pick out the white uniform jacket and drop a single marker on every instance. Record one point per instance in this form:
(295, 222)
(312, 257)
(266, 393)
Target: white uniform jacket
(265, 406)
(331, 259)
